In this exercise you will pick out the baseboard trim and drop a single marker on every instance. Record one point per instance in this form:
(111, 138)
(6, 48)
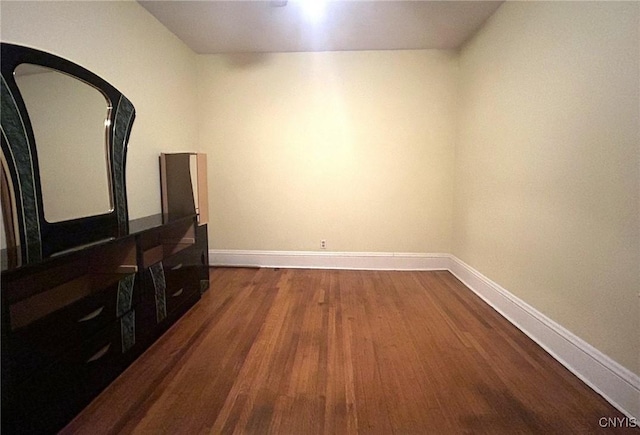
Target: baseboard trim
(329, 260)
(618, 385)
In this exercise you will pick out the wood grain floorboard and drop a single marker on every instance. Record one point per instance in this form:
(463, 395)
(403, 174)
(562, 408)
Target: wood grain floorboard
(343, 352)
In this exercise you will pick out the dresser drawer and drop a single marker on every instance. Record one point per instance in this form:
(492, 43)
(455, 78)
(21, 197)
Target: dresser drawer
(96, 358)
(52, 335)
(190, 257)
(167, 286)
(180, 297)
(48, 399)
(182, 277)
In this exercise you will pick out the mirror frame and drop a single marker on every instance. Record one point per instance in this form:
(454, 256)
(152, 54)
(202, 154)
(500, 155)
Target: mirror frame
(28, 232)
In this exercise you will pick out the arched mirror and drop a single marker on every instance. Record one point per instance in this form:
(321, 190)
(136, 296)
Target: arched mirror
(68, 118)
(64, 141)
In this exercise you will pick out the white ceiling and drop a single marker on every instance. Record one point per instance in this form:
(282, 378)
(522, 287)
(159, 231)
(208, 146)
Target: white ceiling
(260, 26)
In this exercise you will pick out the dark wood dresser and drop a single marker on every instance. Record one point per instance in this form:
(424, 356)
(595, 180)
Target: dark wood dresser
(72, 322)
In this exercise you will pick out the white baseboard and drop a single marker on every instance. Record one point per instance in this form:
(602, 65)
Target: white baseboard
(615, 383)
(330, 260)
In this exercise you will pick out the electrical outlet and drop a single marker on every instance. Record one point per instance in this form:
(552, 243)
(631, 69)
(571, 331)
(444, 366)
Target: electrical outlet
(323, 244)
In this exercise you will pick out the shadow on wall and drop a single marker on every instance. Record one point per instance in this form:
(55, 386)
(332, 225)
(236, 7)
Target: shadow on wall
(246, 60)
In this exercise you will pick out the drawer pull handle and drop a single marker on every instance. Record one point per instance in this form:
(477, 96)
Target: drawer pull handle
(100, 353)
(177, 266)
(91, 315)
(178, 293)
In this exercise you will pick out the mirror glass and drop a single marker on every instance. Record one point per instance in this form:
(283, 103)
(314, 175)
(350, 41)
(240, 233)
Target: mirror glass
(68, 118)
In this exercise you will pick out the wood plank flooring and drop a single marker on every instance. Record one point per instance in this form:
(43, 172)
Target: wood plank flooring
(343, 352)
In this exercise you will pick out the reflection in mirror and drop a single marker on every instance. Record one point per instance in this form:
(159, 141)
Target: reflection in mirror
(68, 119)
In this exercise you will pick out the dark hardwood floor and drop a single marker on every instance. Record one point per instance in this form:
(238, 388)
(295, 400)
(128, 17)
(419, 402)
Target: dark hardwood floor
(332, 352)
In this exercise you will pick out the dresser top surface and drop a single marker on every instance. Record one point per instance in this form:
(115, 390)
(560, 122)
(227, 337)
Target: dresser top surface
(136, 226)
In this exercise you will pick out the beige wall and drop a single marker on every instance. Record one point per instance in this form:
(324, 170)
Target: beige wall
(122, 43)
(352, 147)
(547, 165)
